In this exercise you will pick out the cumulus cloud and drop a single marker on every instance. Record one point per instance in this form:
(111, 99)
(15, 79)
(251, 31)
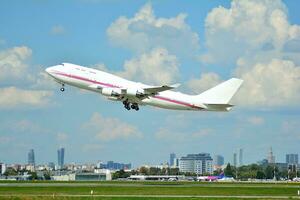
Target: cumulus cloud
(58, 30)
(12, 97)
(145, 31)
(245, 28)
(13, 63)
(156, 67)
(270, 84)
(106, 129)
(206, 81)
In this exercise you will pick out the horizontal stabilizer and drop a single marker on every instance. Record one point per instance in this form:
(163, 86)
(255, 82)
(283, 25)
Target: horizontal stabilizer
(220, 94)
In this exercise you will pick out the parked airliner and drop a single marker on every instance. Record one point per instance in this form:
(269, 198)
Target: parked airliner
(133, 94)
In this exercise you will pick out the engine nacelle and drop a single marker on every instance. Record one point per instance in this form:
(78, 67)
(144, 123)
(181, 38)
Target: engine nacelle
(111, 92)
(135, 92)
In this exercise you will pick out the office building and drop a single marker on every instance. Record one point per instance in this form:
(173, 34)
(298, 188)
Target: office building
(271, 157)
(196, 163)
(218, 161)
(61, 157)
(240, 157)
(31, 160)
(116, 166)
(291, 159)
(235, 159)
(172, 159)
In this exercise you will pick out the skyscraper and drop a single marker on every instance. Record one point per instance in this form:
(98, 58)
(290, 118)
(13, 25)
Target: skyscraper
(291, 158)
(240, 157)
(235, 159)
(61, 157)
(172, 159)
(31, 160)
(271, 157)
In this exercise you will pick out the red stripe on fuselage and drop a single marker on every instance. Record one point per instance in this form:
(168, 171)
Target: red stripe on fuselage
(115, 86)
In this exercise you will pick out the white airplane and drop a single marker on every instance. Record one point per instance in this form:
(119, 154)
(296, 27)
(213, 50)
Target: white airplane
(133, 94)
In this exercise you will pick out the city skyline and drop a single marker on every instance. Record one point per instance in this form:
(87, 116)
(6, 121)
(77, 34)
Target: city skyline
(137, 42)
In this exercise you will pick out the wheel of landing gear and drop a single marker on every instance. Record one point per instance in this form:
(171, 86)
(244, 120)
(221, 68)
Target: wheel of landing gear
(133, 106)
(62, 89)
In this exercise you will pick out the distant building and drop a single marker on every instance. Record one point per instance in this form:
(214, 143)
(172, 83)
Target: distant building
(61, 157)
(235, 159)
(172, 159)
(218, 161)
(240, 157)
(2, 168)
(271, 157)
(116, 166)
(196, 163)
(291, 159)
(51, 165)
(31, 160)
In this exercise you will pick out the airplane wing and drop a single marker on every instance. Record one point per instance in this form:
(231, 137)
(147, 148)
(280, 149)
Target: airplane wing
(155, 89)
(95, 86)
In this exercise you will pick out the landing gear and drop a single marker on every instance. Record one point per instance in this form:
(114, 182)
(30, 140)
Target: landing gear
(129, 106)
(62, 87)
(126, 104)
(135, 106)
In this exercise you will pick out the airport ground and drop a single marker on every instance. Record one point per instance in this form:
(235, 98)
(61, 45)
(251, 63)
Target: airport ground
(146, 190)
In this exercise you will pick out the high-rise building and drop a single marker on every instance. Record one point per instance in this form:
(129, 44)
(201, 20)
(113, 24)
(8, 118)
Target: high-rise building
(218, 160)
(291, 158)
(172, 159)
(235, 159)
(196, 163)
(240, 157)
(61, 157)
(31, 160)
(271, 157)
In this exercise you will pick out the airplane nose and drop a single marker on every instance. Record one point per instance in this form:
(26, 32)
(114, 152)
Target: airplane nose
(50, 70)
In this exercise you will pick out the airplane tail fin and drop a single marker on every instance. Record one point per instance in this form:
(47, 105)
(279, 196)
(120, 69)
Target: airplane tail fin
(218, 97)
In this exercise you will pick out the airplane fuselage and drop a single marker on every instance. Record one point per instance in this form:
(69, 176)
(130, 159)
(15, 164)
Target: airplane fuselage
(86, 78)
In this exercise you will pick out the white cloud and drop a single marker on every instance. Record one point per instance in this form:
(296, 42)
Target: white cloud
(276, 83)
(106, 129)
(255, 120)
(144, 32)
(157, 67)
(58, 30)
(206, 81)
(246, 28)
(12, 97)
(13, 63)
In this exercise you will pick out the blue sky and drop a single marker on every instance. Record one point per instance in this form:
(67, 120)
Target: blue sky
(196, 43)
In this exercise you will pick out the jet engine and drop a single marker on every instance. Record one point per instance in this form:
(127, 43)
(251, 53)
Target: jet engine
(138, 92)
(111, 92)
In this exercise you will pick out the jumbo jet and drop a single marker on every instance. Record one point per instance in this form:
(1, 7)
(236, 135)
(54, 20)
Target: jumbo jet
(133, 94)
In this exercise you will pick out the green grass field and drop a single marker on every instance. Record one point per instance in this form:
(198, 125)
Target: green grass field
(146, 190)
